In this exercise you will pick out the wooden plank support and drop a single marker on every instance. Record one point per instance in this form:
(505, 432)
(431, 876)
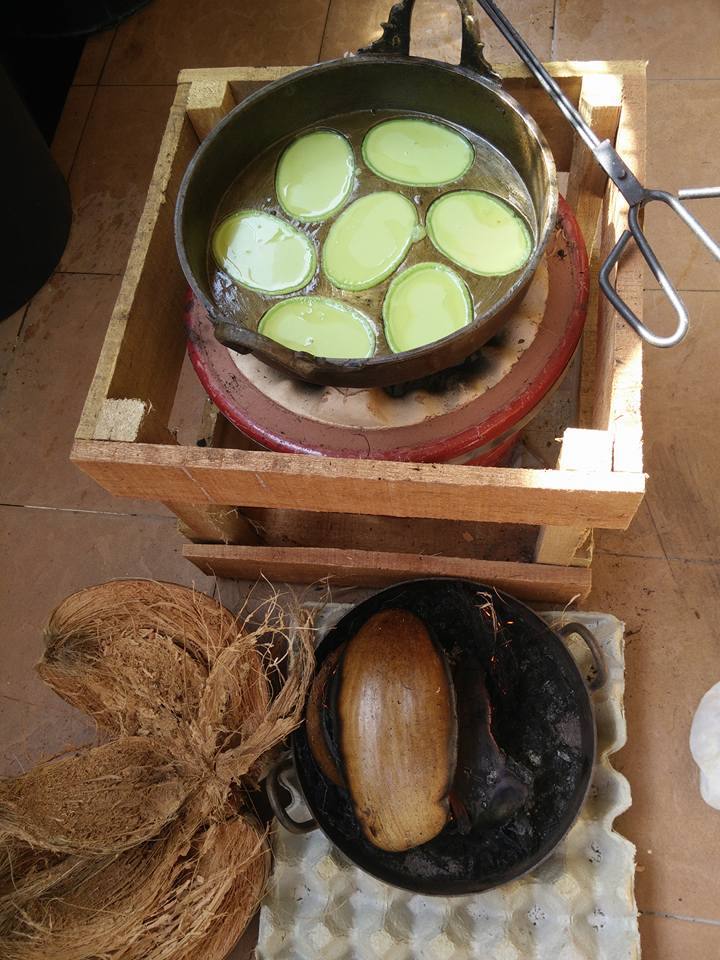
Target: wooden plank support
(599, 105)
(213, 524)
(208, 102)
(618, 373)
(507, 71)
(144, 346)
(363, 568)
(261, 479)
(573, 545)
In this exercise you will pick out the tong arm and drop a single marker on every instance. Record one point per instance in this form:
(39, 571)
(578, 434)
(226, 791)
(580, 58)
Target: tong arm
(635, 232)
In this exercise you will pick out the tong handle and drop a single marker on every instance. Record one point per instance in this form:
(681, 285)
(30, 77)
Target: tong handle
(635, 232)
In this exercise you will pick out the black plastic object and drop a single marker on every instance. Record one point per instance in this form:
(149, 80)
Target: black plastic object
(69, 19)
(35, 202)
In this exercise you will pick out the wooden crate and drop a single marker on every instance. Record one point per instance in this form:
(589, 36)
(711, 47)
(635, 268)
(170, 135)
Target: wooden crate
(373, 522)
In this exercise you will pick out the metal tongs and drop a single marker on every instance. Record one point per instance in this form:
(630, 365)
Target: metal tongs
(632, 190)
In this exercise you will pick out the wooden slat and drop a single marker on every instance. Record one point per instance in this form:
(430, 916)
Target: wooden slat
(250, 478)
(360, 568)
(573, 545)
(619, 362)
(212, 524)
(208, 102)
(599, 105)
(557, 68)
(145, 342)
(417, 535)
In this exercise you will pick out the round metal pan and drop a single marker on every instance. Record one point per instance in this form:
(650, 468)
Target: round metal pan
(382, 78)
(549, 724)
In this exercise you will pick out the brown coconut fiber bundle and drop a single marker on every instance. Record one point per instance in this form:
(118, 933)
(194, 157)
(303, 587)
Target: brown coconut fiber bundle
(102, 800)
(143, 848)
(135, 654)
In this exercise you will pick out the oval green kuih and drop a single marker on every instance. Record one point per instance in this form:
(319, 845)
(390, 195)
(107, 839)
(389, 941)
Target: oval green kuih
(423, 304)
(369, 240)
(416, 152)
(264, 253)
(320, 326)
(480, 232)
(315, 175)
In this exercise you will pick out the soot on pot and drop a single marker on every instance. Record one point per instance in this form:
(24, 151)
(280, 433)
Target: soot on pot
(537, 723)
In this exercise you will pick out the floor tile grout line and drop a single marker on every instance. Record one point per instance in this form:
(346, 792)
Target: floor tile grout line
(679, 916)
(107, 55)
(92, 103)
(86, 273)
(117, 85)
(710, 561)
(82, 510)
(324, 29)
(684, 289)
(82, 134)
(683, 79)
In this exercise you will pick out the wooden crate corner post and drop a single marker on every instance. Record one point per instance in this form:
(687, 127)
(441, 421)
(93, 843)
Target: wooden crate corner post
(588, 450)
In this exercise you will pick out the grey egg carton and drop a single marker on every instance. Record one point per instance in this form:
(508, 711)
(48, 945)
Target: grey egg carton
(577, 905)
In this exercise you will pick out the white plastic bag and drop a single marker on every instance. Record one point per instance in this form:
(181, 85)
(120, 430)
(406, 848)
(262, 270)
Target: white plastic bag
(705, 745)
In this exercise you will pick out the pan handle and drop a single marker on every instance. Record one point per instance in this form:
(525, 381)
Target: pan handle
(601, 670)
(395, 38)
(235, 336)
(283, 769)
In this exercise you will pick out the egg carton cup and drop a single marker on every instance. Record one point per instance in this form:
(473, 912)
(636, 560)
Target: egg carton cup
(579, 904)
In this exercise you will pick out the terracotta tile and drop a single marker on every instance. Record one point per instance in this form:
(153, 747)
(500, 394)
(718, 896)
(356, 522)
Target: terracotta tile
(699, 583)
(72, 123)
(436, 28)
(168, 35)
(679, 39)
(682, 447)
(672, 652)
(45, 556)
(682, 139)
(93, 57)
(665, 938)
(639, 540)
(46, 388)
(111, 174)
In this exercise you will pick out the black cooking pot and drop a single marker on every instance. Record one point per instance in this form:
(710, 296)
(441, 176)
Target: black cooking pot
(542, 718)
(381, 77)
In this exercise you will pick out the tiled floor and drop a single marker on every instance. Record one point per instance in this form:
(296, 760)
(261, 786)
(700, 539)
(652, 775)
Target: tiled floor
(60, 532)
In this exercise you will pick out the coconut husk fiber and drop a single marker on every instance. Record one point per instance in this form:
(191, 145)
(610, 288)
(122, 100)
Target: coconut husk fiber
(145, 847)
(135, 654)
(102, 800)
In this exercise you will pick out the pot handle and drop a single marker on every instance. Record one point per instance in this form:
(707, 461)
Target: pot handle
(395, 38)
(235, 336)
(272, 788)
(601, 670)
